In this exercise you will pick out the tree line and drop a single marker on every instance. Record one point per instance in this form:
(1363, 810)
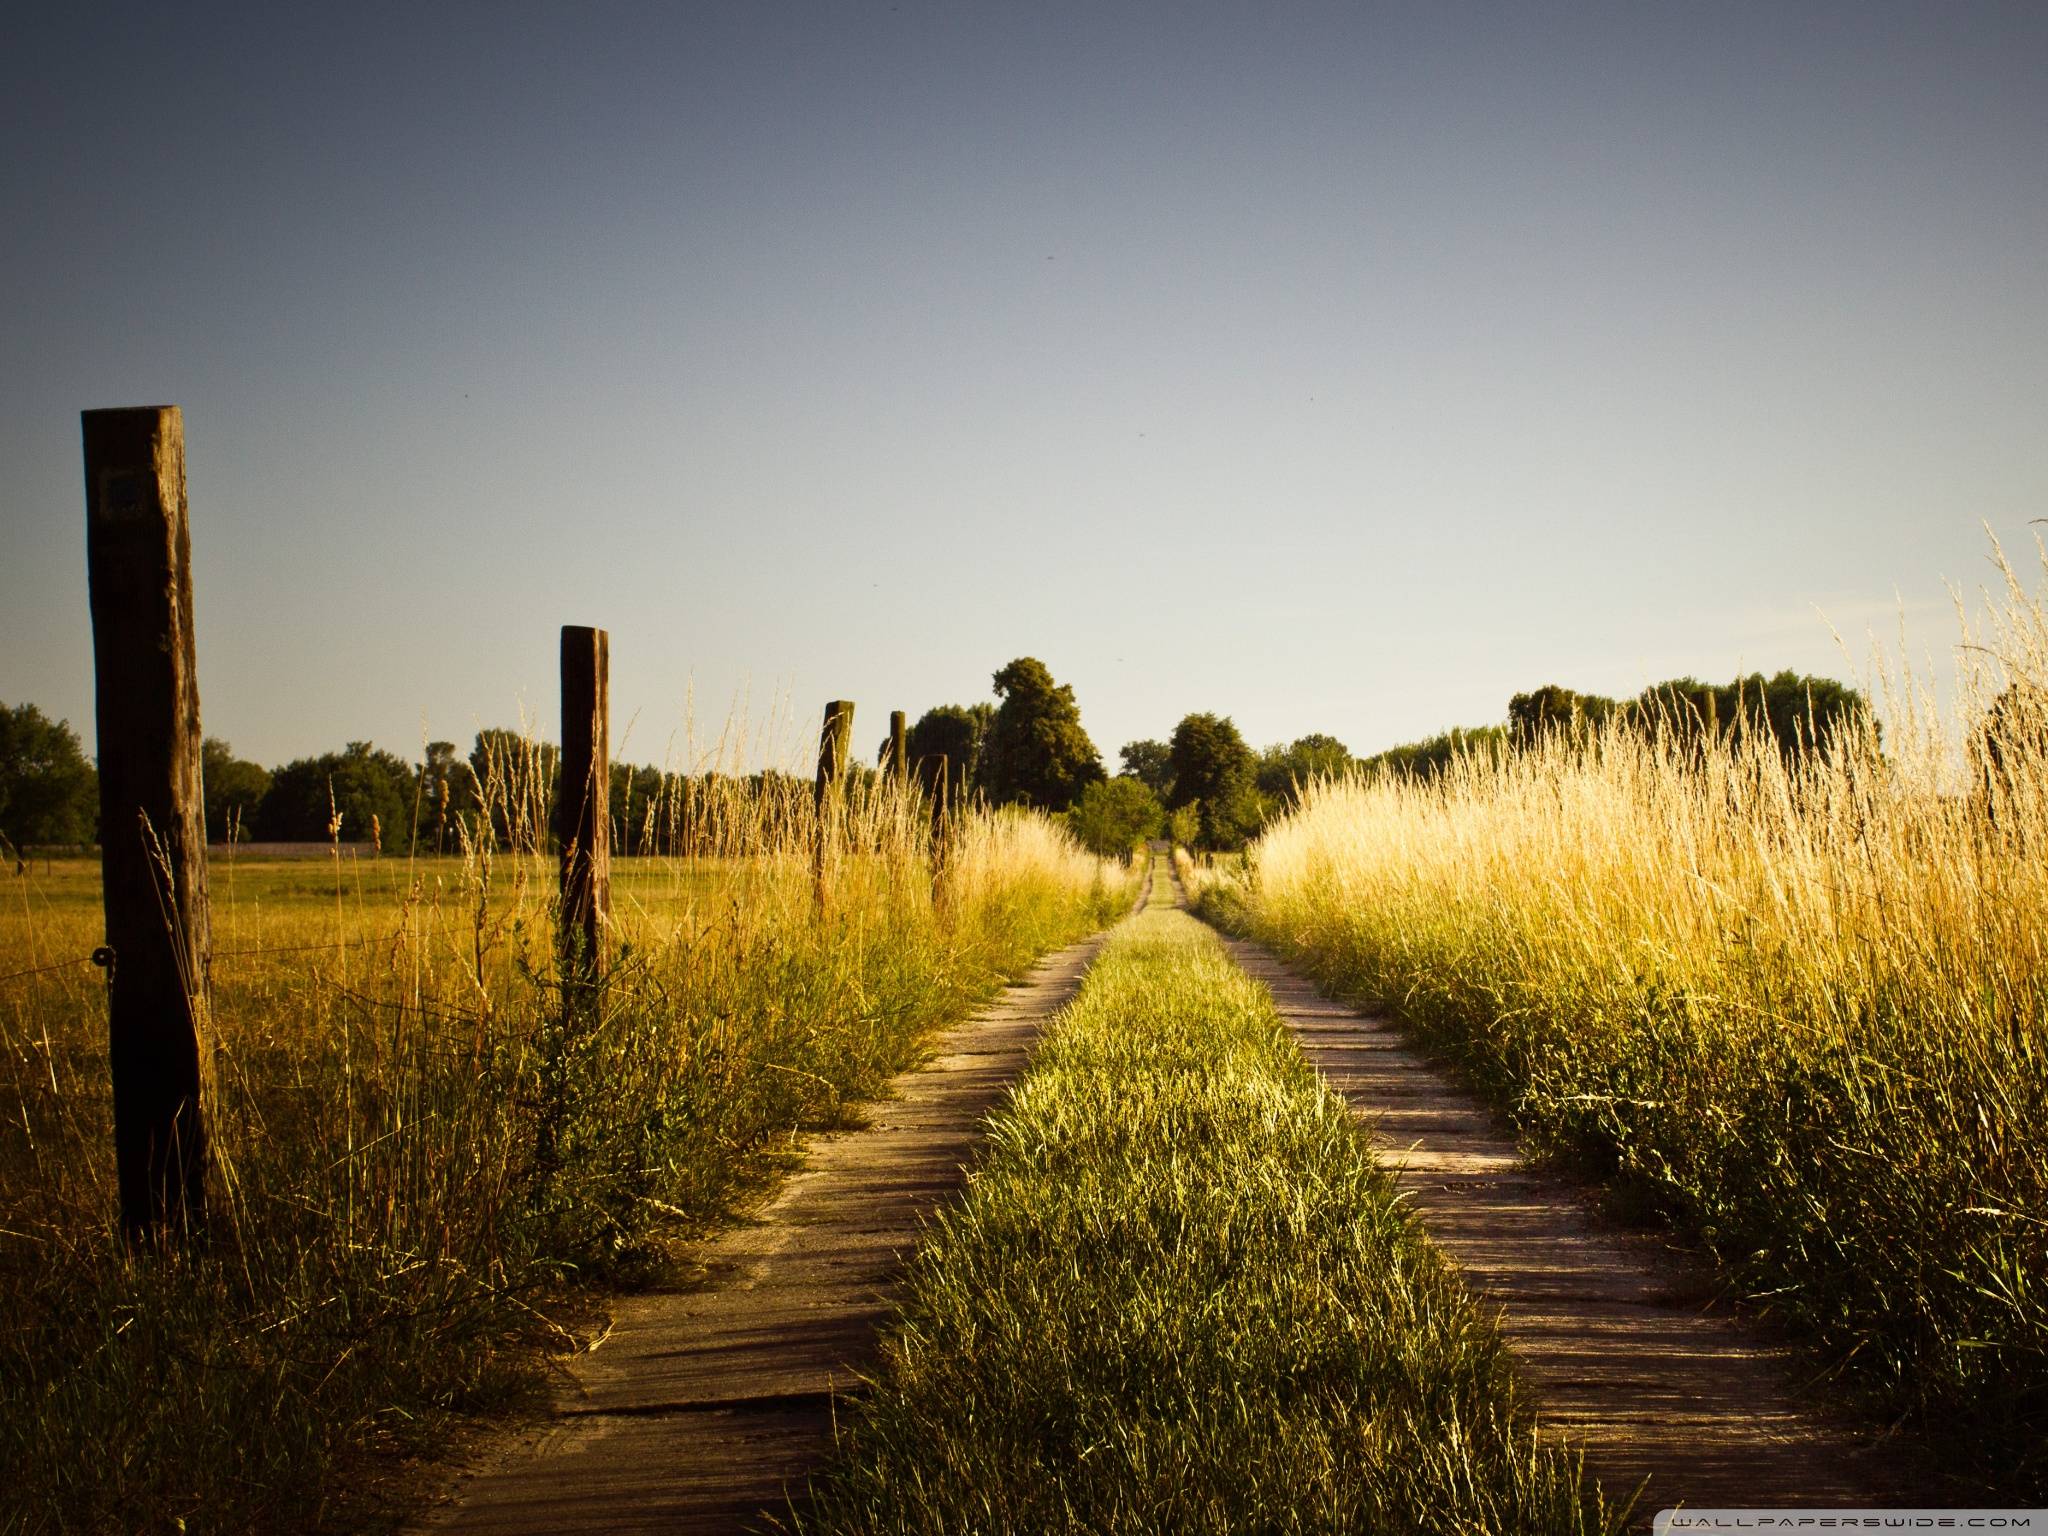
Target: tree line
(1204, 786)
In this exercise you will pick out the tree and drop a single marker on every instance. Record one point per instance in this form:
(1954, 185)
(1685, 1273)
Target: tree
(1214, 771)
(1113, 816)
(1798, 713)
(1426, 759)
(234, 788)
(371, 791)
(2007, 750)
(1532, 716)
(49, 793)
(1282, 771)
(1149, 762)
(1037, 753)
(641, 796)
(511, 785)
(441, 778)
(949, 739)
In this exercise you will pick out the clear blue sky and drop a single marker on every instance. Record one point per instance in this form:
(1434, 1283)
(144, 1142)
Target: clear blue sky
(1340, 368)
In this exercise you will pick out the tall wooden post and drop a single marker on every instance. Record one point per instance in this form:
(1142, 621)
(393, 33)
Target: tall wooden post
(899, 747)
(138, 556)
(583, 824)
(940, 832)
(835, 737)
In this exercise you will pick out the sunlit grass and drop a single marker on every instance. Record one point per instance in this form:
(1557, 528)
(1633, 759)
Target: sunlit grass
(1798, 1007)
(1178, 1296)
(421, 1157)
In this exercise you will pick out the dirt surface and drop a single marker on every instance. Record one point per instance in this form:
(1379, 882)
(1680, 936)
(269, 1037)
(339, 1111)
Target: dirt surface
(701, 1410)
(1613, 1331)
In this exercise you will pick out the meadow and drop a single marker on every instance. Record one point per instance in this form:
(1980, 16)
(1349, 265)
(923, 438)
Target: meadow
(1179, 1295)
(1794, 1003)
(424, 1164)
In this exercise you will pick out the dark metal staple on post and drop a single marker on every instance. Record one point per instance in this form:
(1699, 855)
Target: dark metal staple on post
(138, 555)
(583, 801)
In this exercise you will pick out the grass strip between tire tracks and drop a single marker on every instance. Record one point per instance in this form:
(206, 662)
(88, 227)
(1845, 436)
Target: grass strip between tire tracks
(1178, 1295)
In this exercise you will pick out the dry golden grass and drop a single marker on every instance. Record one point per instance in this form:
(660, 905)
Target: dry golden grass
(1797, 1003)
(421, 1155)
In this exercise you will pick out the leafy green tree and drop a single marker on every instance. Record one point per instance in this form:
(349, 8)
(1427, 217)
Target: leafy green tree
(2007, 750)
(1798, 713)
(1217, 773)
(1037, 753)
(371, 791)
(442, 778)
(1426, 759)
(1532, 716)
(638, 794)
(1184, 826)
(234, 788)
(1113, 816)
(1151, 763)
(949, 739)
(511, 782)
(49, 793)
(1282, 771)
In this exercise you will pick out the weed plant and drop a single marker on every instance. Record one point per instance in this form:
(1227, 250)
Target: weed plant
(1796, 1003)
(423, 1159)
(1179, 1296)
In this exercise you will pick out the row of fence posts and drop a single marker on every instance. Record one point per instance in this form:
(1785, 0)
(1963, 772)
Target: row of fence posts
(152, 817)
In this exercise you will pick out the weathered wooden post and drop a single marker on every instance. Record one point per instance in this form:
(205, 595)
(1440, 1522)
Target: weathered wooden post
(138, 556)
(940, 832)
(583, 824)
(835, 737)
(899, 748)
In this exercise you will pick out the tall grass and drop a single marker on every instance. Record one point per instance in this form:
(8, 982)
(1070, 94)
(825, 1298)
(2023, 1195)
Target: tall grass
(1796, 1003)
(422, 1158)
(1178, 1296)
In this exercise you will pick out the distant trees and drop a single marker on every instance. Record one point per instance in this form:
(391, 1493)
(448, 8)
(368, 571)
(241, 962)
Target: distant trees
(637, 807)
(234, 791)
(370, 791)
(1531, 716)
(49, 793)
(947, 743)
(1427, 758)
(1216, 773)
(1151, 763)
(512, 787)
(1113, 816)
(1796, 713)
(1283, 770)
(2007, 749)
(441, 775)
(1036, 752)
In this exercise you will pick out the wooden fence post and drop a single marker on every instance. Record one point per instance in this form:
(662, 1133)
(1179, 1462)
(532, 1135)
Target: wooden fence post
(940, 831)
(835, 737)
(899, 747)
(583, 824)
(138, 556)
